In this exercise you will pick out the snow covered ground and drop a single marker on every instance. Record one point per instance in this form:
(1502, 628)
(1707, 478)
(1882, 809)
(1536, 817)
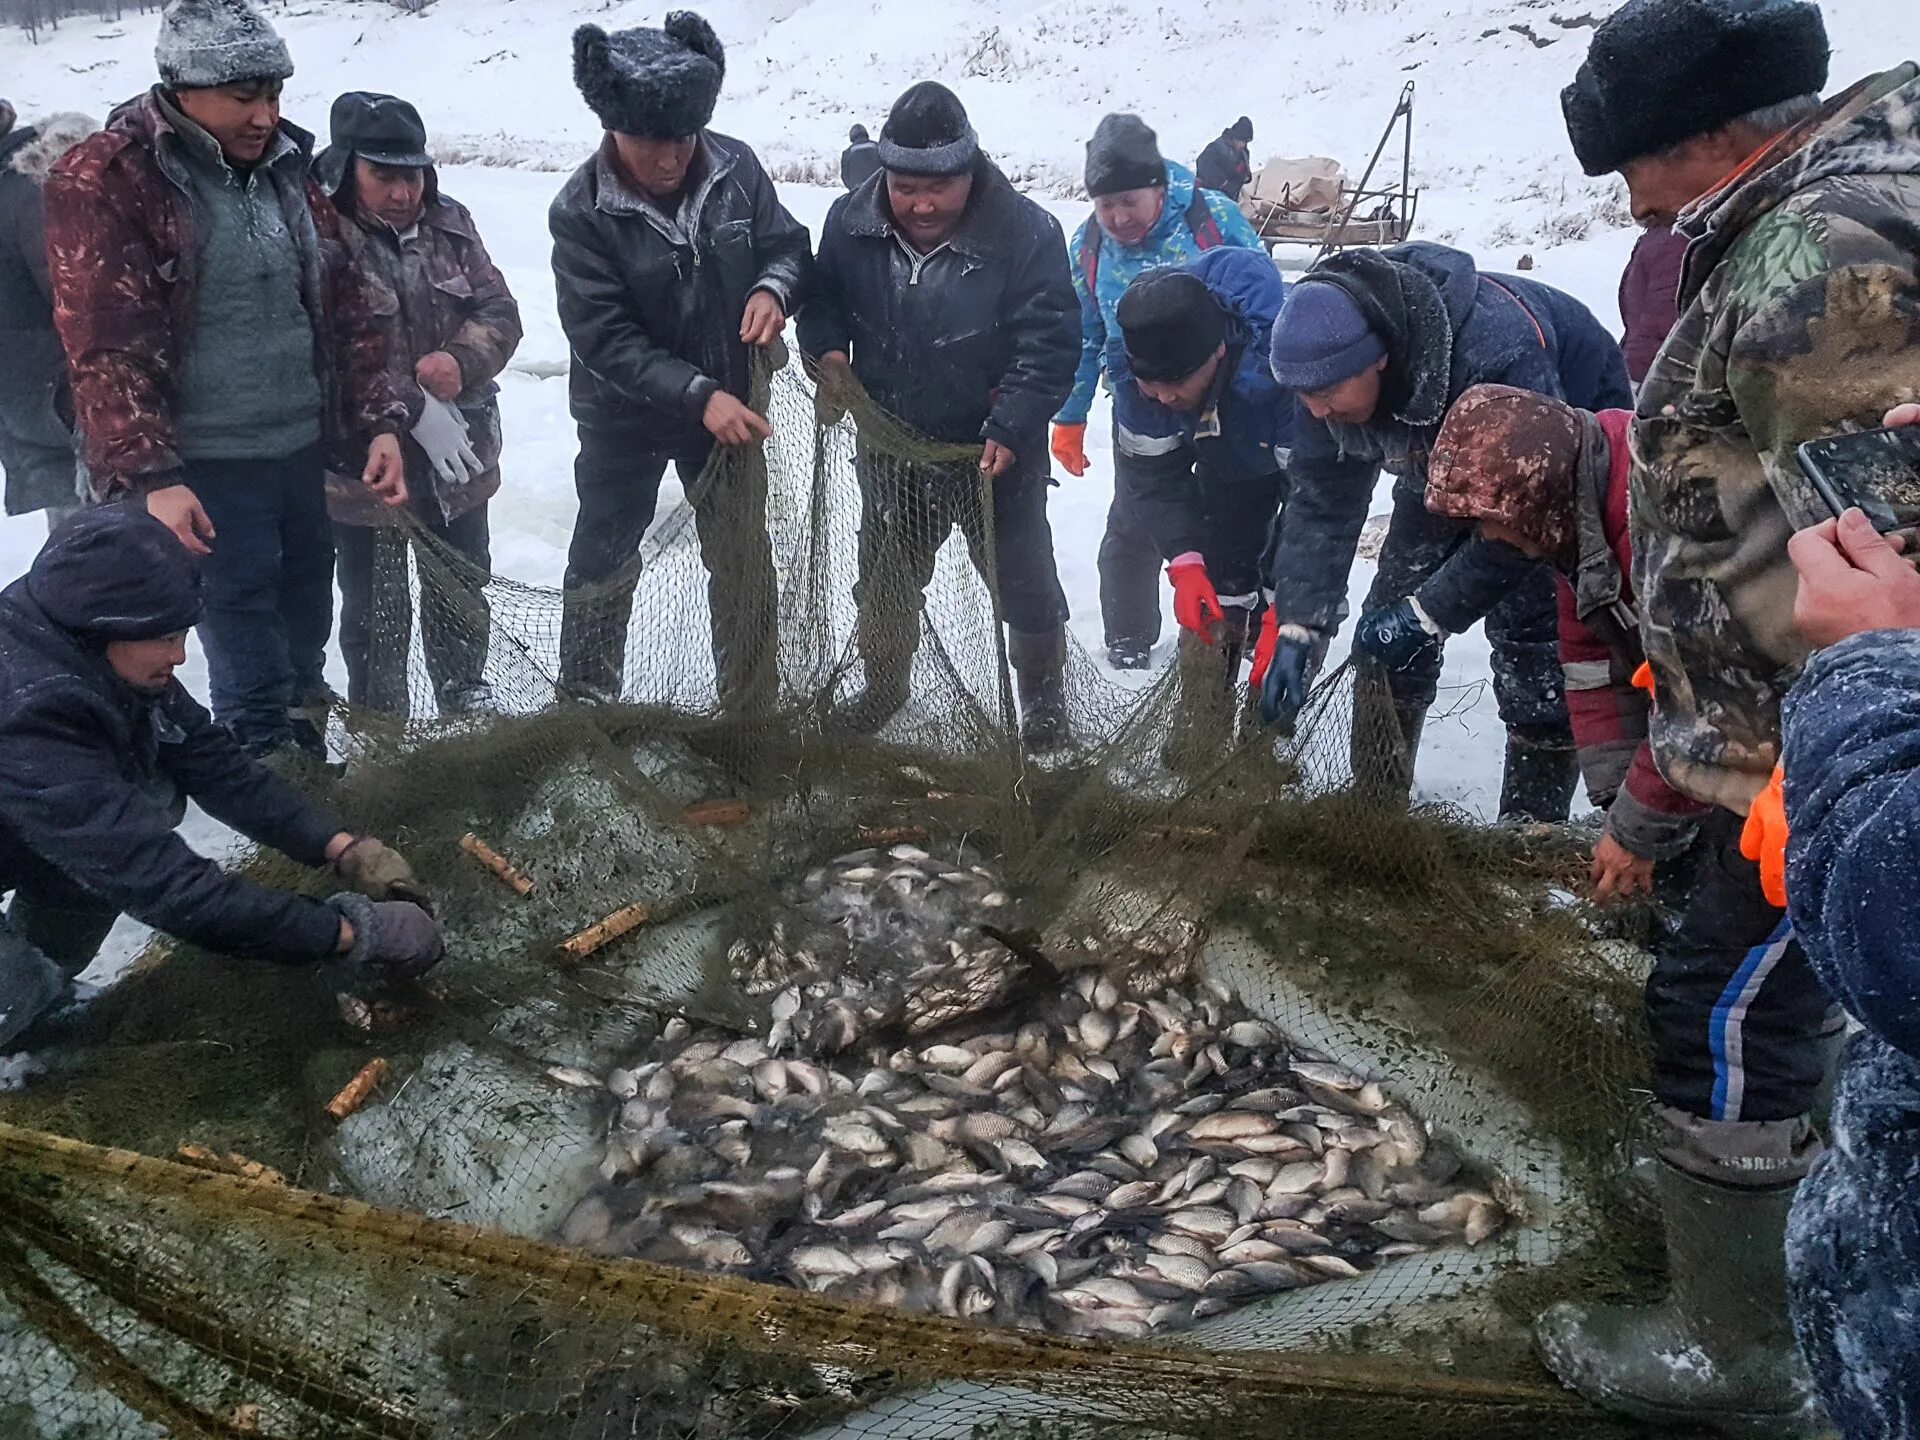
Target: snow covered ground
(492, 78)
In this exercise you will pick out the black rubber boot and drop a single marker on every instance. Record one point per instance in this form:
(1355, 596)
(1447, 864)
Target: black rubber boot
(1039, 662)
(886, 642)
(1718, 1353)
(1537, 782)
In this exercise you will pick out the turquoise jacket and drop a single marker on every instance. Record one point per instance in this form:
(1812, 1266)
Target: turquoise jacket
(1170, 242)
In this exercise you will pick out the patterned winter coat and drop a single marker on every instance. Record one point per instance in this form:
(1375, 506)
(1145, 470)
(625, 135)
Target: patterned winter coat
(1112, 266)
(122, 250)
(437, 290)
(1853, 867)
(1800, 317)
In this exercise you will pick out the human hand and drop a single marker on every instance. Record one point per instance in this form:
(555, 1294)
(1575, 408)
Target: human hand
(732, 423)
(1070, 448)
(439, 375)
(763, 319)
(1283, 688)
(1852, 579)
(388, 939)
(1763, 839)
(374, 869)
(1617, 873)
(1196, 604)
(386, 473)
(1902, 415)
(995, 460)
(832, 387)
(1400, 637)
(178, 508)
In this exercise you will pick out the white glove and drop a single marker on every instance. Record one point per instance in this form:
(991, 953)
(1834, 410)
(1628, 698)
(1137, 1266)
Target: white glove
(441, 431)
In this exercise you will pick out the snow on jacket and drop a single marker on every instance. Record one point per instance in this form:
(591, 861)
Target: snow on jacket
(1650, 296)
(122, 248)
(1171, 241)
(1599, 652)
(977, 340)
(1448, 327)
(1245, 427)
(1800, 317)
(651, 302)
(436, 289)
(36, 406)
(1223, 166)
(94, 776)
(1852, 761)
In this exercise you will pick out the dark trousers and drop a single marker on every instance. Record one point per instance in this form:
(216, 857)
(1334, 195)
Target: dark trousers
(1523, 630)
(618, 483)
(906, 514)
(1735, 1012)
(1239, 514)
(269, 589)
(371, 568)
(1130, 563)
(49, 934)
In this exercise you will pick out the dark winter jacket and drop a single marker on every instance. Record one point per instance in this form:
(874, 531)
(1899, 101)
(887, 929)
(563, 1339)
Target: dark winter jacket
(36, 407)
(1650, 296)
(1852, 761)
(858, 162)
(1800, 317)
(1241, 434)
(94, 776)
(436, 289)
(1447, 327)
(1223, 166)
(978, 340)
(122, 249)
(651, 302)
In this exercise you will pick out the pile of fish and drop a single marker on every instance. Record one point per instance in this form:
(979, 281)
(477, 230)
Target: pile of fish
(1120, 1150)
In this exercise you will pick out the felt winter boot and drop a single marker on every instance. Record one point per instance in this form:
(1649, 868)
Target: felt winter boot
(1718, 1353)
(1039, 662)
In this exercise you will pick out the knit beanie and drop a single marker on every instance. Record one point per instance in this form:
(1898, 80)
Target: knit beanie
(1663, 71)
(927, 133)
(657, 84)
(1124, 154)
(1321, 338)
(7, 117)
(1241, 130)
(113, 572)
(204, 43)
(1510, 456)
(1170, 324)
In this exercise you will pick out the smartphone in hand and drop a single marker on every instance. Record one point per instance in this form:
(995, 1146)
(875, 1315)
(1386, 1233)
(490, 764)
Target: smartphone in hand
(1876, 471)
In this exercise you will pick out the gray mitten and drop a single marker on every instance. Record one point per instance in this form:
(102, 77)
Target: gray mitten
(392, 939)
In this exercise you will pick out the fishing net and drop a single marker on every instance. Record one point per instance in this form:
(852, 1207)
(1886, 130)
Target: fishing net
(812, 1057)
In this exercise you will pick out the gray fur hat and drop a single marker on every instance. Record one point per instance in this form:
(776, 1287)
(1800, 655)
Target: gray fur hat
(204, 43)
(659, 84)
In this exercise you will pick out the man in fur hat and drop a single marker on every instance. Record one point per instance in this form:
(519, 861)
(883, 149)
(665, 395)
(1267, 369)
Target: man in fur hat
(672, 259)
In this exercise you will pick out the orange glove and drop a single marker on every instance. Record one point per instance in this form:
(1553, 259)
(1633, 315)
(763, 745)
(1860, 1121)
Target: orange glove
(1196, 605)
(1070, 448)
(1643, 679)
(1763, 840)
(1263, 647)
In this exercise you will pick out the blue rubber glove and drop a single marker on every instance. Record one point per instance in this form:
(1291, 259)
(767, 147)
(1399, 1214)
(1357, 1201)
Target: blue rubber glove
(1400, 637)
(1283, 690)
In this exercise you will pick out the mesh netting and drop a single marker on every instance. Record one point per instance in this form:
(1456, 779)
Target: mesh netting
(811, 1058)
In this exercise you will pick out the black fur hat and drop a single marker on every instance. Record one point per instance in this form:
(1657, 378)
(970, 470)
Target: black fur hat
(659, 84)
(1663, 71)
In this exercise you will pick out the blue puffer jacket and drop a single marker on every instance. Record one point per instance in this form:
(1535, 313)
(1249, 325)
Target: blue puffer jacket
(1170, 242)
(1852, 758)
(1241, 430)
(94, 776)
(1448, 327)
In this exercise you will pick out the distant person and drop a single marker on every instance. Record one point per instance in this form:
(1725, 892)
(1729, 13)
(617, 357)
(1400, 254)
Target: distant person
(1201, 429)
(1378, 345)
(672, 258)
(860, 161)
(450, 325)
(101, 748)
(1225, 165)
(1650, 296)
(223, 354)
(1852, 758)
(1799, 318)
(946, 293)
(36, 403)
(1147, 212)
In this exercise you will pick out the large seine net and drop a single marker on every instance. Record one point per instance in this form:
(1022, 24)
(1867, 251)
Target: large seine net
(911, 982)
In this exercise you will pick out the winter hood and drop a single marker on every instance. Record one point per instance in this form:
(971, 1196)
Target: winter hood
(113, 572)
(31, 150)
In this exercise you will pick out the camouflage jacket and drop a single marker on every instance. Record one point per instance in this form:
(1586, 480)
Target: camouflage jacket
(1800, 317)
(436, 289)
(122, 250)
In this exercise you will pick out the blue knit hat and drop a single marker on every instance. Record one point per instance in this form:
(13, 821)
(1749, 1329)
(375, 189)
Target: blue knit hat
(1321, 338)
